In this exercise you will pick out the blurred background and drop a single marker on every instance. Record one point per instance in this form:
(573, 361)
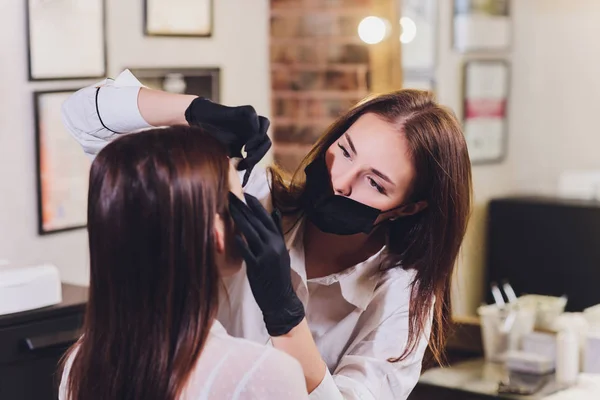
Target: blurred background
(522, 76)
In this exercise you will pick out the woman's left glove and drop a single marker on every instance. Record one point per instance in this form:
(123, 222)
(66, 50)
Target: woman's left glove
(235, 127)
(267, 264)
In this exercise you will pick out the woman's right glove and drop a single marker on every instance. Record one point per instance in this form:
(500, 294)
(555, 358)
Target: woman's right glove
(235, 127)
(267, 264)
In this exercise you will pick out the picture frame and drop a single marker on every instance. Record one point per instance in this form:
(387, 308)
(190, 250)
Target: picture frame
(178, 18)
(201, 81)
(486, 86)
(62, 168)
(419, 36)
(66, 51)
(481, 26)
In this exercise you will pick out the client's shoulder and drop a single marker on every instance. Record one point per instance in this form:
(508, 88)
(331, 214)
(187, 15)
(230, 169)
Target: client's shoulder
(243, 366)
(223, 342)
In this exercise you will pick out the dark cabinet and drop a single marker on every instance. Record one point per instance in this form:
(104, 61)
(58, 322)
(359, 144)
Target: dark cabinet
(32, 344)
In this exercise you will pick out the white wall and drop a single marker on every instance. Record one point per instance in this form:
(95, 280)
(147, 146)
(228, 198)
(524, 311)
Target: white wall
(554, 104)
(488, 180)
(239, 46)
(555, 91)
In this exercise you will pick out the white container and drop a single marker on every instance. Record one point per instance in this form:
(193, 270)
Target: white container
(567, 357)
(27, 288)
(497, 340)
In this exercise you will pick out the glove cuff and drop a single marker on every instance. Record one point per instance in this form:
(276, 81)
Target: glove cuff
(189, 114)
(285, 318)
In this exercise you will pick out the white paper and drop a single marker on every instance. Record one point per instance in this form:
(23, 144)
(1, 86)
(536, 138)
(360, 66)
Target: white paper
(179, 17)
(64, 168)
(66, 38)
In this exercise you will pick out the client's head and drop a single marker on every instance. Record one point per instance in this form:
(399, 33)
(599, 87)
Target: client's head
(159, 237)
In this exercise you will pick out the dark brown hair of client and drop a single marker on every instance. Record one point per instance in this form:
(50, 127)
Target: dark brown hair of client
(153, 294)
(428, 241)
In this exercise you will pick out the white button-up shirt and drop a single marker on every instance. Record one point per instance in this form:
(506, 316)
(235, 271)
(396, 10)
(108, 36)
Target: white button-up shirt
(236, 369)
(359, 318)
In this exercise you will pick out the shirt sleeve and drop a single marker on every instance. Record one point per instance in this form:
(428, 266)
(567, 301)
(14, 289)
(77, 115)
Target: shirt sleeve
(364, 372)
(96, 117)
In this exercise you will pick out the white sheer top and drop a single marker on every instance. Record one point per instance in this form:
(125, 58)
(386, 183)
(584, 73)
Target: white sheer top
(236, 369)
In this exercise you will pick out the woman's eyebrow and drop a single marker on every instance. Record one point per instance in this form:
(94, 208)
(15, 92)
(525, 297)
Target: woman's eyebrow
(382, 176)
(347, 136)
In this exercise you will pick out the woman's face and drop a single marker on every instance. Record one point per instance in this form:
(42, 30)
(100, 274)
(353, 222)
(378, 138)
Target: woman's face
(371, 164)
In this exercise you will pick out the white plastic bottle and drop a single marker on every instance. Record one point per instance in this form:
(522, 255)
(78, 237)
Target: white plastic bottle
(567, 357)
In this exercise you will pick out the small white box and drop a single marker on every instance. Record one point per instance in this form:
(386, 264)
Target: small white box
(530, 363)
(540, 343)
(28, 288)
(591, 353)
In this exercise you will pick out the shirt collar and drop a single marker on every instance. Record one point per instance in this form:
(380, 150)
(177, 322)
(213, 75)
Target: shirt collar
(217, 328)
(357, 284)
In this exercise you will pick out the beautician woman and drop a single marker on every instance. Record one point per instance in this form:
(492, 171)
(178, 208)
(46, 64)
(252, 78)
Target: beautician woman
(373, 221)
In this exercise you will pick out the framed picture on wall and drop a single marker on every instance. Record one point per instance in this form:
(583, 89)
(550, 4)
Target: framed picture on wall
(203, 82)
(418, 37)
(62, 167)
(485, 105)
(66, 39)
(183, 18)
(481, 25)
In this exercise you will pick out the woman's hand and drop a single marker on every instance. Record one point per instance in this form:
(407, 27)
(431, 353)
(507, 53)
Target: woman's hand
(235, 127)
(267, 264)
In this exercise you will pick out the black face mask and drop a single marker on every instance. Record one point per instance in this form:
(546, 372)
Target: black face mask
(330, 213)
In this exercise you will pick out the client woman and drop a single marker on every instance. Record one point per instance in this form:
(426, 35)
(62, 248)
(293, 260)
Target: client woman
(160, 238)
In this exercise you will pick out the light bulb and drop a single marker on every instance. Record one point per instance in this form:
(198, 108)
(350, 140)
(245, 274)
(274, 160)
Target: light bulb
(372, 30)
(409, 30)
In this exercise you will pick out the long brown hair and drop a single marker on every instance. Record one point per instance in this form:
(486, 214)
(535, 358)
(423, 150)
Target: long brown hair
(428, 241)
(153, 291)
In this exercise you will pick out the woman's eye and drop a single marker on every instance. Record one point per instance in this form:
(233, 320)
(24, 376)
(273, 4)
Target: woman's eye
(376, 186)
(344, 151)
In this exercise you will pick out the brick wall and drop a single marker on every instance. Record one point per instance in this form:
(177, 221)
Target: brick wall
(319, 69)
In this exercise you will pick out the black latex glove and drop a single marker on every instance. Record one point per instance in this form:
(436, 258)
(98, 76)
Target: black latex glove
(235, 127)
(267, 264)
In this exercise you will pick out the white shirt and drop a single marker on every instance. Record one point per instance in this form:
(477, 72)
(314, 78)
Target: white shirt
(236, 369)
(359, 318)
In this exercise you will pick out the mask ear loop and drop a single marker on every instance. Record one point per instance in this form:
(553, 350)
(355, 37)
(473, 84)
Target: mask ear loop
(391, 219)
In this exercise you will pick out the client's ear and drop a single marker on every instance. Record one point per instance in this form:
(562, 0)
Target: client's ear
(219, 230)
(410, 209)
